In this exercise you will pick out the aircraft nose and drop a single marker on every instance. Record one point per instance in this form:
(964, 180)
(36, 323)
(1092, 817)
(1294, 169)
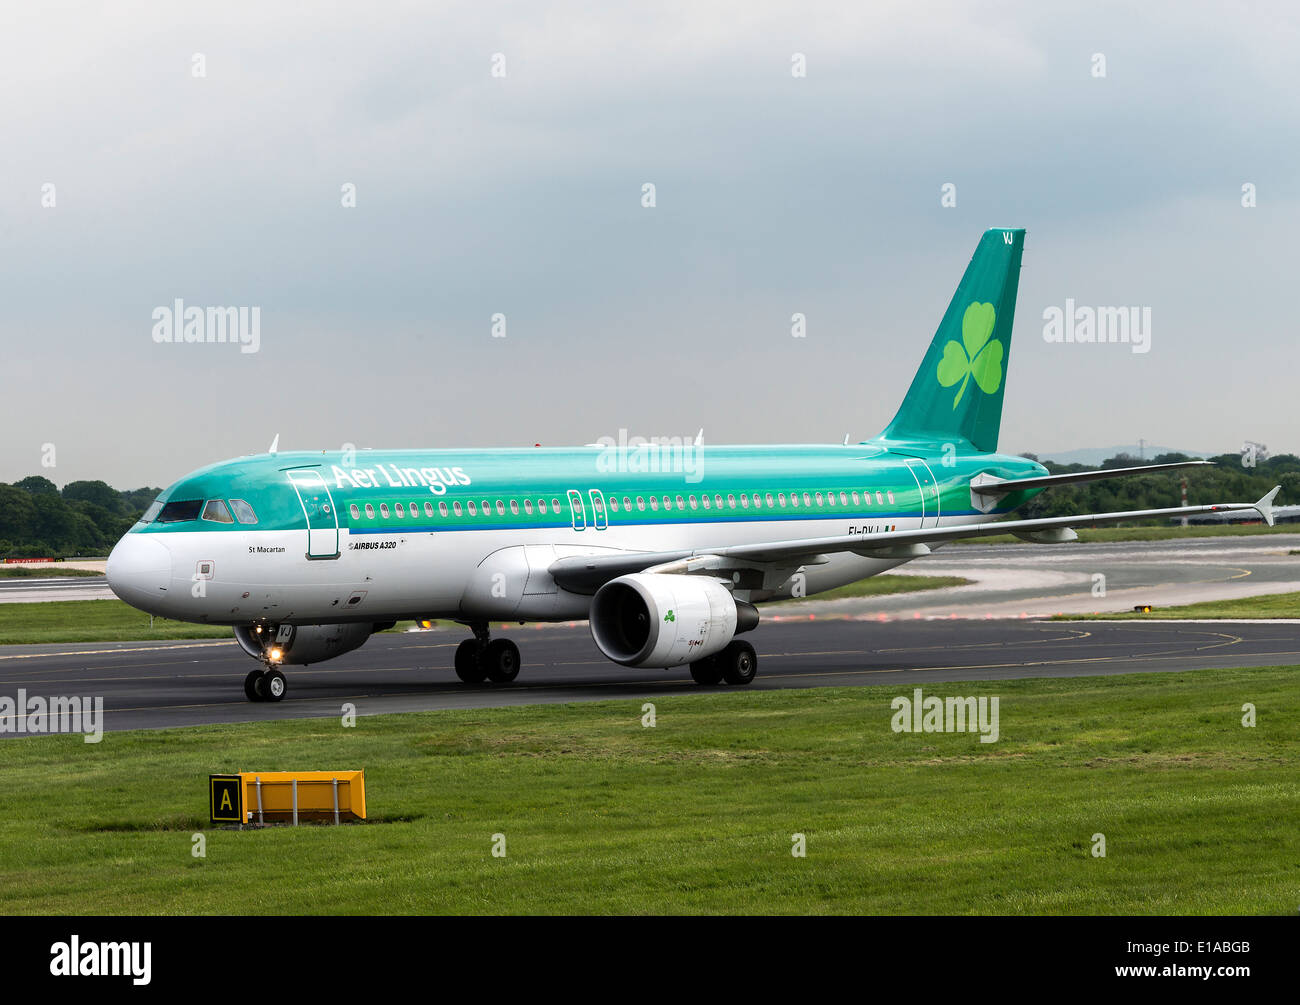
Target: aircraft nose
(139, 570)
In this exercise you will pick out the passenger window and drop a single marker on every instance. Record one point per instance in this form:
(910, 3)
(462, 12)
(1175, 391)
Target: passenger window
(856, 500)
(399, 509)
(731, 501)
(640, 503)
(695, 504)
(705, 500)
(555, 505)
(613, 504)
(528, 507)
(807, 499)
(175, 512)
(654, 503)
(794, 499)
(891, 497)
(717, 500)
(541, 505)
(473, 510)
(455, 507)
(514, 507)
(758, 503)
(501, 508)
(487, 508)
(819, 498)
(428, 508)
(744, 501)
(844, 499)
(383, 510)
(627, 503)
(442, 509)
(880, 497)
(370, 512)
(243, 512)
(769, 500)
(215, 510)
(681, 503)
(355, 510)
(780, 498)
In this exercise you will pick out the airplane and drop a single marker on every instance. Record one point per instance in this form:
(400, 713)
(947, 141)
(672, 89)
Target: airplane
(665, 549)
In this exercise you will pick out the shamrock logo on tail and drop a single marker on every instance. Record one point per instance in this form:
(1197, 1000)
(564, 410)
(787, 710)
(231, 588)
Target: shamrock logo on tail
(977, 355)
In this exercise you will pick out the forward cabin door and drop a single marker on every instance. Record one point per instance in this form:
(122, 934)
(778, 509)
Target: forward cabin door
(318, 508)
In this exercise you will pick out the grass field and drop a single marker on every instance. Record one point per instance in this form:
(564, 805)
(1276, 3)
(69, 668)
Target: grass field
(92, 621)
(697, 814)
(114, 621)
(1169, 533)
(882, 585)
(1276, 605)
(45, 572)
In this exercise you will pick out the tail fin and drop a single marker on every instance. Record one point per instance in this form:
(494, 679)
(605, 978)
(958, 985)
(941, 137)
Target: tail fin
(957, 393)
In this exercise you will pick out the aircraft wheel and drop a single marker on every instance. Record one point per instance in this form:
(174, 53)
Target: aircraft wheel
(273, 685)
(253, 686)
(501, 661)
(468, 667)
(739, 663)
(706, 671)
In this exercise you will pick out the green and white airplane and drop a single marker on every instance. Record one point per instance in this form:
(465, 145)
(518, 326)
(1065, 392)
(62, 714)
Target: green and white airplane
(666, 549)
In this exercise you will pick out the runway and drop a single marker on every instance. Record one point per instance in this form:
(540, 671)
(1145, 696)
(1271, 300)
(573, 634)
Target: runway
(159, 684)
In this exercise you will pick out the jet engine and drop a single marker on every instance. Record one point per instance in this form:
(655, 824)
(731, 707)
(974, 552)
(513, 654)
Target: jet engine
(654, 620)
(298, 645)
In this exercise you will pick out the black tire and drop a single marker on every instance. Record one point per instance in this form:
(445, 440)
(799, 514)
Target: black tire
(253, 685)
(273, 685)
(706, 671)
(739, 663)
(501, 661)
(469, 667)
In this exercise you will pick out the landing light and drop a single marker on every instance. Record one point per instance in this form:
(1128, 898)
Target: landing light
(275, 655)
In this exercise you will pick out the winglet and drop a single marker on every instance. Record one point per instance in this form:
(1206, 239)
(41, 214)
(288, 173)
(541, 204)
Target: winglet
(1265, 505)
(275, 444)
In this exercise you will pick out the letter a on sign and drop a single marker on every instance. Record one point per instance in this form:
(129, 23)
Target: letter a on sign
(227, 801)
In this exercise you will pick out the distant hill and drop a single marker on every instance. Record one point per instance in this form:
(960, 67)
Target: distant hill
(1093, 456)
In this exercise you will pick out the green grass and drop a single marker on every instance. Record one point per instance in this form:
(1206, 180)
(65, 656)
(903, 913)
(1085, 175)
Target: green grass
(882, 585)
(697, 814)
(43, 572)
(1130, 533)
(1276, 605)
(92, 621)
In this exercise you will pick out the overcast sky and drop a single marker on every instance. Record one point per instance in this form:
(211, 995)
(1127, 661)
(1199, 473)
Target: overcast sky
(522, 195)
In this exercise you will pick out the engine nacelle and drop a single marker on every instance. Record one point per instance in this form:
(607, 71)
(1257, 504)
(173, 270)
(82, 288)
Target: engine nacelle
(653, 620)
(298, 645)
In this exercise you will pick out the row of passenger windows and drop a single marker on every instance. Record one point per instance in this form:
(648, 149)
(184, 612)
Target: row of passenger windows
(755, 500)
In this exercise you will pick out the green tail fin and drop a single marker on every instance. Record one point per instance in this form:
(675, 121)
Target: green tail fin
(957, 393)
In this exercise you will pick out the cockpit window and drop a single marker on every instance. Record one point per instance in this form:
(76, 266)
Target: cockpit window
(243, 512)
(175, 512)
(215, 510)
(152, 512)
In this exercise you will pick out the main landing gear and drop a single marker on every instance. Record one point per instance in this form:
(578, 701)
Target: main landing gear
(736, 664)
(483, 658)
(265, 685)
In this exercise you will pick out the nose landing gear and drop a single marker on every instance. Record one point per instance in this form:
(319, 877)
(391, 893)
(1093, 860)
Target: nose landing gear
(484, 658)
(265, 685)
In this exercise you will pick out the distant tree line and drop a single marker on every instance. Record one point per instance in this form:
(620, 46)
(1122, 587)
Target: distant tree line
(1227, 481)
(84, 518)
(87, 518)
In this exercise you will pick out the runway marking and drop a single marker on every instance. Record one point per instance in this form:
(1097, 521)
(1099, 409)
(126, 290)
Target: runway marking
(133, 649)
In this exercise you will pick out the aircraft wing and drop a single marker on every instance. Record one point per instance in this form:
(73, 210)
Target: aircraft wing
(587, 573)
